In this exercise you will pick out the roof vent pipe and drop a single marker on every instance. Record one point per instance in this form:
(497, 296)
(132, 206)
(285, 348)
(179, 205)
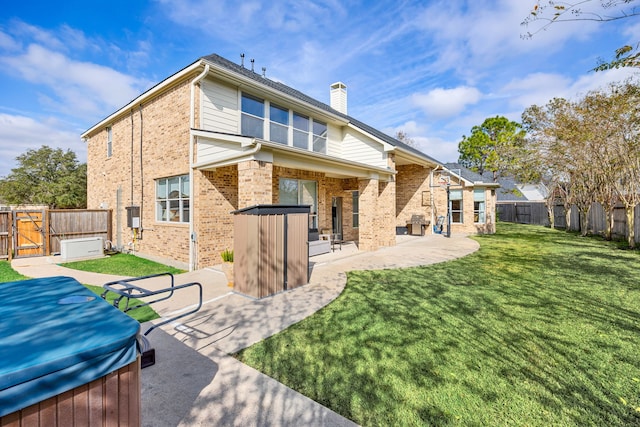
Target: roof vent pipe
(242, 60)
(339, 97)
(264, 71)
(252, 62)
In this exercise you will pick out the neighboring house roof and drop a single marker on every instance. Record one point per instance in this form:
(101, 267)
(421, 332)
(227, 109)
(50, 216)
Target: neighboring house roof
(469, 175)
(238, 69)
(513, 191)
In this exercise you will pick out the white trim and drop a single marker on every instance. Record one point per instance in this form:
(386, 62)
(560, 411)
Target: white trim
(143, 97)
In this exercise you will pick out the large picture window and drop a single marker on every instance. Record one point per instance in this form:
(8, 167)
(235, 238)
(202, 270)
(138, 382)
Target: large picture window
(455, 206)
(172, 199)
(252, 122)
(300, 192)
(478, 206)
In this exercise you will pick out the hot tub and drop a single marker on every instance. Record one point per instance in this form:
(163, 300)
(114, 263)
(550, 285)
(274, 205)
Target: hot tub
(68, 357)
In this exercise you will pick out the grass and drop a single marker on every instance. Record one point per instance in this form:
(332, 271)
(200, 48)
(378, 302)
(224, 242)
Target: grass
(122, 265)
(538, 328)
(142, 314)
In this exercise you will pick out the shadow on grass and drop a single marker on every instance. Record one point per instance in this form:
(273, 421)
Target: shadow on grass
(536, 328)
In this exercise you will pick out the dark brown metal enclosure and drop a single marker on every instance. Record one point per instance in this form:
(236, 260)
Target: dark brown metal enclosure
(271, 249)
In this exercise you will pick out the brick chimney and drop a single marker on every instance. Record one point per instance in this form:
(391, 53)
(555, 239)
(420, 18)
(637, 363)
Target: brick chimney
(339, 97)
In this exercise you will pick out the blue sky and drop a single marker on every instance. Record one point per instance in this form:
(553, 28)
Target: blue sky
(433, 69)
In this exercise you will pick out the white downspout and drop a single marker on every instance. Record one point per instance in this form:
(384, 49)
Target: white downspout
(192, 124)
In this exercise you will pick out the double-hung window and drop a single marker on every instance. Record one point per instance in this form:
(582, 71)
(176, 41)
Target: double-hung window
(478, 206)
(300, 131)
(300, 192)
(279, 127)
(252, 121)
(455, 206)
(109, 141)
(356, 209)
(172, 199)
(319, 137)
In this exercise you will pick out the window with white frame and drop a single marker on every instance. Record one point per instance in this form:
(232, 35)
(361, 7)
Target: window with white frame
(172, 199)
(109, 141)
(455, 206)
(279, 126)
(479, 205)
(252, 121)
(319, 136)
(300, 192)
(356, 209)
(300, 131)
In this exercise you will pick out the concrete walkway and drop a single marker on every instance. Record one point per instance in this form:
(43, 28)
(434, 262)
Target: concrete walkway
(195, 381)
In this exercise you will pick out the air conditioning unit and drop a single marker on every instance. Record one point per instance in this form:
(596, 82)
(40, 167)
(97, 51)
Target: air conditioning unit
(86, 247)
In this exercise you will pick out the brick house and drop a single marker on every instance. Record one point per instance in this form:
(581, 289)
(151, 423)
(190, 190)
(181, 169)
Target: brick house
(216, 137)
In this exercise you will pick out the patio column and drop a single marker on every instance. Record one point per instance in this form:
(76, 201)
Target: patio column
(368, 214)
(255, 179)
(386, 213)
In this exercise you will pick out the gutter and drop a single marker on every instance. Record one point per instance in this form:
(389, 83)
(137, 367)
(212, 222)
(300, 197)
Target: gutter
(192, 118)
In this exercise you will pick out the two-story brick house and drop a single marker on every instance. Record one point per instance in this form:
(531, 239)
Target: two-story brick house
(216, 137)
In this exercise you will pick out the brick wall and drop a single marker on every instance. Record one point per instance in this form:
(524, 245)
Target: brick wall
(255, 183)
(163, 123)
(216, 197)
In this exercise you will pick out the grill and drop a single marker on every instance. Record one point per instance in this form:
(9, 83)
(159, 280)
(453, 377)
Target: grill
(416, 226)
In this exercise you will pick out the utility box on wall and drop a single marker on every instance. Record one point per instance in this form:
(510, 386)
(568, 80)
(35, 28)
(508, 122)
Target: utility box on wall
(133, 216)
(271, 249)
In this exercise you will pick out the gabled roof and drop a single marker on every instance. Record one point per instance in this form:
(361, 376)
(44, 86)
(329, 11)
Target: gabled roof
(469, 175)
(280, 87)
(237, 69)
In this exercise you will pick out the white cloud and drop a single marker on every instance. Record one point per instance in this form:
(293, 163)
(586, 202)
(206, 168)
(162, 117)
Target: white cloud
(77, 88)
(19, 134)
(441, 103)
(540, 88)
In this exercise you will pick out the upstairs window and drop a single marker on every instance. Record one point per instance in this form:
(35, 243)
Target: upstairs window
(300, 131)
(478, 206)
(279, 127)
(252, 122)
(455, 206)
(319, 137)
(172, 199)
(109, 141)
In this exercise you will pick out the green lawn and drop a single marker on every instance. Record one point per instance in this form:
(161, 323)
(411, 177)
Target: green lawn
(122, 265)
(142, 314)
(537, 328)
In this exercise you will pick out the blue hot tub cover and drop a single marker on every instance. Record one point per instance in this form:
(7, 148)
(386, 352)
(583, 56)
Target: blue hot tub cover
(56, 335)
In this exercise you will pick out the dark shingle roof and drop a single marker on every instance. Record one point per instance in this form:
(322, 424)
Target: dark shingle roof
(280, 87)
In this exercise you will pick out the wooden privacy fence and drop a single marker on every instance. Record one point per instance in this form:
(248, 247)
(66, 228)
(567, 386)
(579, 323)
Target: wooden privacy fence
(26, 233)
(536, 213)
(6, 220)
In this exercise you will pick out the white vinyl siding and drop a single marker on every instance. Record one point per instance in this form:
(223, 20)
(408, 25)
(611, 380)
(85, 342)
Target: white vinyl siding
(210, 151)
(358, 148)
(219, 108)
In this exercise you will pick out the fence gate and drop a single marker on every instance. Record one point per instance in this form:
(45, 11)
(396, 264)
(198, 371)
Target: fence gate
(5, 234)
(29, 233)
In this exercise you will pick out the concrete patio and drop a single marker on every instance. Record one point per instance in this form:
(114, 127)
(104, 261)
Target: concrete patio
(195, 380)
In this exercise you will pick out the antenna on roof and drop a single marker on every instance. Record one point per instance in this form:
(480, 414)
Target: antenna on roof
(264, 71)
(242, 60)
(252, 61)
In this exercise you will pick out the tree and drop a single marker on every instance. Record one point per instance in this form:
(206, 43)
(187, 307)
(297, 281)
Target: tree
(551, 11)
(404, 137)
(491, 146)
(46, 176)
(590, 149)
